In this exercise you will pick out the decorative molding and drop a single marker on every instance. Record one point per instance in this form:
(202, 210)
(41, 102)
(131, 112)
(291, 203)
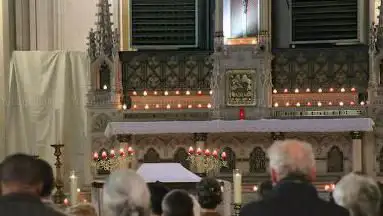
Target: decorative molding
(200, 137)
(355, 135)
(100, 122)
(277, 136)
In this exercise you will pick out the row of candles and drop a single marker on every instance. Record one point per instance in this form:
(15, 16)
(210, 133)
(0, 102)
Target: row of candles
(319, 104)
(169, 106)
(112, 154)
(199, 92)
(206, 153)
(320, 90)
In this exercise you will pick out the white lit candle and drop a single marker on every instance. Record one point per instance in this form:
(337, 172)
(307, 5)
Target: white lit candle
(73, 188)
(237, 181)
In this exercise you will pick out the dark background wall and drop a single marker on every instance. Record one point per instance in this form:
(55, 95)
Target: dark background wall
(280, 24)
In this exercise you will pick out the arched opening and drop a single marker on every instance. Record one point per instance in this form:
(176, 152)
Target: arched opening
(181, 156)
(231, 159)
(151, 156)
(257, 160)
(104, 76)
(335, 160)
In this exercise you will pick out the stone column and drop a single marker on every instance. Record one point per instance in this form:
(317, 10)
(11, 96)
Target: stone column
(357, 160)
(277, 136)
(218, 16)
(200, 140)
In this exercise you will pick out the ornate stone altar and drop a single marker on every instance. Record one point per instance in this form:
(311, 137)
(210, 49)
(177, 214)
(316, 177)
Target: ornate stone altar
(239, 79)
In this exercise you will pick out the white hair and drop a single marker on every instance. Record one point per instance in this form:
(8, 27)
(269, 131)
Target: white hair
(126, 194)
(196, 206)
(291, 156)
(359, 194)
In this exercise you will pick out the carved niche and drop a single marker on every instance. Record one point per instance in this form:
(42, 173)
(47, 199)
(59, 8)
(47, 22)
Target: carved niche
(258, 160)
(231, 160)
(100, 122)
(181, 156)
(335, 160)
(240, 87)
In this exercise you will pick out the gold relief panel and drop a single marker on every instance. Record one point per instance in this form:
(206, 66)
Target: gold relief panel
(240, 87)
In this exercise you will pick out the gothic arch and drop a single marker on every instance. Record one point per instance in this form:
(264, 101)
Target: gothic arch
(335, 160)
(258, 160)
(152, 156)
(99, 66)
(100, 122)
(231, 160)
(181, 156)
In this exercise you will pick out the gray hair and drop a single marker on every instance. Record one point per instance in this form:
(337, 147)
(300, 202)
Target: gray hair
(126, 194)
(359, 194)
(291, 156)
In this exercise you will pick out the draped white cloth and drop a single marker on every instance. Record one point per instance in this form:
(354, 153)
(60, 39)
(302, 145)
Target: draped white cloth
(47, 98)
(223, 126)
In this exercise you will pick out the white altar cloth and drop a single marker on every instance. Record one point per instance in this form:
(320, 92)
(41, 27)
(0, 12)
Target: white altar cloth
(167, 173)
(226, 126)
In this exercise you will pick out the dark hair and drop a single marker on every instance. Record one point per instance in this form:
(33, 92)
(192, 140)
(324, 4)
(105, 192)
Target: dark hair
(209, 193)
(265, 188)
(157, 193)
(47, 177)
(21, 168)
(178, 203)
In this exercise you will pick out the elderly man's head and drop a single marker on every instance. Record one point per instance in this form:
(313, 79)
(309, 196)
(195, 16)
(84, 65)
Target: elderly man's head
(359, 194)
(126, 194)
(291, 157)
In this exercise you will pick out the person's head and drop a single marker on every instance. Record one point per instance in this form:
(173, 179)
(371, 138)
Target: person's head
(359, 194)
(126, 194)
(265, 188)
(20, 173)
(178, 203)
(82, 210)
(291, 157)
(209, 193)
(157, 194)
(47, 177)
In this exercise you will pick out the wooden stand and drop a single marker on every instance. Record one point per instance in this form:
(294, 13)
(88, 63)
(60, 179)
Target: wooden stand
(59, 195)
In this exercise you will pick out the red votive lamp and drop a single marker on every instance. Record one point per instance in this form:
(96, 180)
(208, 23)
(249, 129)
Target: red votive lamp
(95, 156)
(130, 150)
(207, 152)
(223, 155)
(199, 151)
(104, 155)
(122, 152)
(215, 153)
(112, 153)
(241, 113)
(191, 150)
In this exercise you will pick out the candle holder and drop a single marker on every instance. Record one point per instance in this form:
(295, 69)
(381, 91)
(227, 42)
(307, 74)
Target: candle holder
(237, 209)
(204, 162)
(109, 160)
(59, 195)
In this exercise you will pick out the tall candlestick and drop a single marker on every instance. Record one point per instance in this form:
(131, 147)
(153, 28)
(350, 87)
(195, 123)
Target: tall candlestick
(237, 182)
(73, 188)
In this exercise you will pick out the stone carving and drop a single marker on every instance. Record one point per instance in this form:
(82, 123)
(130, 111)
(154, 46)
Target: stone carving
(152, 156)
(330, 67)
(241, 85)
(174, 70)
(335, 160)
(104, 41)
(100, 122)
(257, 160)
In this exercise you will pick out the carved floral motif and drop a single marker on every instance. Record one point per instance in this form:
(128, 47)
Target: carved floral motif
(100, 122)
(241, 86)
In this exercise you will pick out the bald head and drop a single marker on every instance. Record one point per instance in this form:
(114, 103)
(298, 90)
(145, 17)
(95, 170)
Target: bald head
(291, 157)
